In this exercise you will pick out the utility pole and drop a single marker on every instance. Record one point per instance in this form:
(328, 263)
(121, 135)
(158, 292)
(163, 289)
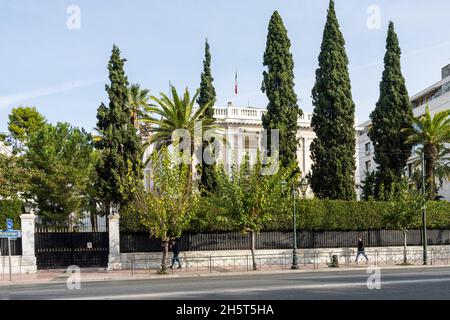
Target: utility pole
(424, 212)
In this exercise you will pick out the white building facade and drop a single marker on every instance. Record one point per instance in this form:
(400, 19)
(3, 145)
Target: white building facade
(241, 128)
(437, 96)
(5, 149)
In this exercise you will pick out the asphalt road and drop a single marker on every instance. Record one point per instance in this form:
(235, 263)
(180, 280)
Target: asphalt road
(433, 283)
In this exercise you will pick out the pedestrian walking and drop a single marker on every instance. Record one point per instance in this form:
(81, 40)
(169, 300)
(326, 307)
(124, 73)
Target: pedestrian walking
(361, 250)
(176, 252)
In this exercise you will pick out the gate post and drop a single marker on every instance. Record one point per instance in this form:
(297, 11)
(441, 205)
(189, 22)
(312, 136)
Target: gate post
(27, 222)
(114, 261)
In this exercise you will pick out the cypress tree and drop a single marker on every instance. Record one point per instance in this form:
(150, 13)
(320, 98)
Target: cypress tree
(393, 112)
(207, 95)
(278, 84)
(118, 142)
(333, 149)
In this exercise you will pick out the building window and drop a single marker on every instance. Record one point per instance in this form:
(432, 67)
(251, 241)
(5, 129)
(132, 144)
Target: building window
(410, 170)
(368, 165)
(368, 148)
(247, 143)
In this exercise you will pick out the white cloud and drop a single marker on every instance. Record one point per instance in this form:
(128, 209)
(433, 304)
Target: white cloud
(52, 90)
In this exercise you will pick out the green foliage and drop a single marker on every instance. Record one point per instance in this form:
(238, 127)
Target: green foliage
(404, 205)
(11, 209)
(393, 113)
(327, 215)
(167, 208)
(174, 113)
(368, 188)
(432, 133)
(249, 199)
(207, 96)
(14, 177)
(333, 150)
(23, 122)
(278, 84)
(61, 157)
(118, 141)
(137, 99)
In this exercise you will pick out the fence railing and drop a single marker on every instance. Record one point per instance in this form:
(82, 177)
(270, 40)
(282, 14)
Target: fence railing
(16, 247)
(141, 242)
(309, 260)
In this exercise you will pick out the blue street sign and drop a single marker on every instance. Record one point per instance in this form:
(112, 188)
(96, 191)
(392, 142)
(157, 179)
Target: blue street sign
(13, 234)
(9, 224)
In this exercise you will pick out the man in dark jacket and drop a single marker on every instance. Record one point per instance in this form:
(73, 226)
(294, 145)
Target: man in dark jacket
(176, 252)
(361, 250)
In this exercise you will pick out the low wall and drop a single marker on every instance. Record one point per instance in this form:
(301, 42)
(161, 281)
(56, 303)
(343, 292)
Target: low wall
(242, 258)
(19, 264)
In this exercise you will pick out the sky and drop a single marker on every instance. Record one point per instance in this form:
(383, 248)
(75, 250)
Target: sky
(56, 62)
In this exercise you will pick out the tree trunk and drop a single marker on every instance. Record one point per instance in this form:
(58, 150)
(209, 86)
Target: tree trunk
(430, 161)
(405, 254)
(165, 246)
(253, 241)
(93, 217)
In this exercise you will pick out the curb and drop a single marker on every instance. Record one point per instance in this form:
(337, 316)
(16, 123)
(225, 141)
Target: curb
(63, 279)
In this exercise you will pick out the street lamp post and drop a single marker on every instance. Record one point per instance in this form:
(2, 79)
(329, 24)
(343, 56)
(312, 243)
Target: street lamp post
(424, 213)
(303, 189)
(294, 222)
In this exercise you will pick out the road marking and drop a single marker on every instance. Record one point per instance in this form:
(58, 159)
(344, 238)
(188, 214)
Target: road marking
(254, 289)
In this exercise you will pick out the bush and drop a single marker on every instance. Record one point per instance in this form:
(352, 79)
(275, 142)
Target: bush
(11, 209)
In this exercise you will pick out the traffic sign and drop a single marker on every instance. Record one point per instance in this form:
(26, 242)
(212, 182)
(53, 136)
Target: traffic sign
(9, 224)
(13, 234)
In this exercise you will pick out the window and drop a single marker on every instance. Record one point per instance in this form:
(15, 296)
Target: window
(246, 142)
(368, 165)
(410, 170)
(368, 148)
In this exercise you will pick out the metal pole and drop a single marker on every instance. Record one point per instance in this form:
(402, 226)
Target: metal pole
(294, 253)
(424, 212)
(9, 254)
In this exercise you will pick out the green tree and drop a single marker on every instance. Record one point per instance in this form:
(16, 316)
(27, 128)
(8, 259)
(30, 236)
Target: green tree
(432, 133)
(248, 198)
(118, 142)
(137, 99)
(333, 149)
(14, 177)
(207, 96)
(393, 112)
(23, 122)
(61, 156)
(168, 206)
(403, 209)
(368, 189)
(278, 84)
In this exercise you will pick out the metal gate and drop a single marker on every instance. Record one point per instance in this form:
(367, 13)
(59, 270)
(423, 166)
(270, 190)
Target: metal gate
(62, 249)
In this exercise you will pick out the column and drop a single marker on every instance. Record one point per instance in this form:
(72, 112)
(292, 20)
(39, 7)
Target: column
(27, 222)
(114, 261)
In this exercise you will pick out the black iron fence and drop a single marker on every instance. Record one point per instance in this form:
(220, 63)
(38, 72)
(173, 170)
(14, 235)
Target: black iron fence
(16, 247)
(62, 249)
(141, 242)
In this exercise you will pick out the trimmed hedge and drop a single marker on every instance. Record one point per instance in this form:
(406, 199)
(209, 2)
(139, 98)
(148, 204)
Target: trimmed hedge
(335, 215)
(312, 215)
(10, 209)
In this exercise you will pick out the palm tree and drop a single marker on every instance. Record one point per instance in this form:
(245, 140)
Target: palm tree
(441, 171)
(432, 134)
(138, 99)
(174, 113)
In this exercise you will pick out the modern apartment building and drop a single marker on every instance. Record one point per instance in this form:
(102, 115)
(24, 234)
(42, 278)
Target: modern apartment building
(437, 96)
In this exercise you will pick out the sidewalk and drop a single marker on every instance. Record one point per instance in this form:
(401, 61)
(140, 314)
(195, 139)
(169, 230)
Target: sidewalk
(91, 275)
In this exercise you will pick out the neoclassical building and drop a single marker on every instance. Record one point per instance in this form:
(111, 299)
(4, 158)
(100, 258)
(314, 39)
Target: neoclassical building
(241, 129)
